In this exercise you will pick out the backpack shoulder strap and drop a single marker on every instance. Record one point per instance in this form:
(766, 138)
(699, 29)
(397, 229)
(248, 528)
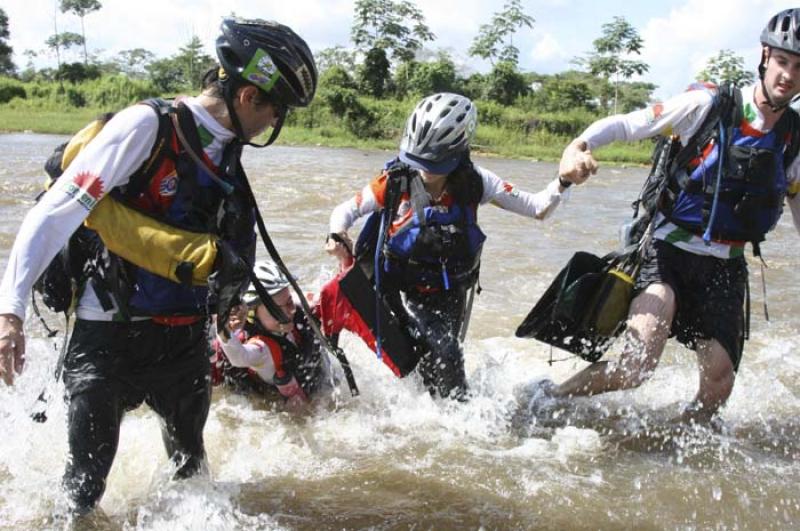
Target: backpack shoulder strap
(726, 106)
(788, 129)
(161, 148)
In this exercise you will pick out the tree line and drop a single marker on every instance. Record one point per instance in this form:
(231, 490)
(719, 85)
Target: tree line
(391, 58)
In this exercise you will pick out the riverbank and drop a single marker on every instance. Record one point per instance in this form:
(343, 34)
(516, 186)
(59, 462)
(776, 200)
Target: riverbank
(490, 140)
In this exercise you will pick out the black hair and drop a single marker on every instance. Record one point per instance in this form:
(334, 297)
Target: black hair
(464, 183)
(213, 85)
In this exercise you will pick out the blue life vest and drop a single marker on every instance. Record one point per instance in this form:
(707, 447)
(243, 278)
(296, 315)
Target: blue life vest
(197, 204)
(443, 251)
(752, 188)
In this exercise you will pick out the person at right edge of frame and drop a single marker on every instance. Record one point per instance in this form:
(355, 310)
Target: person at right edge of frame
(139, 337)
(690, 286)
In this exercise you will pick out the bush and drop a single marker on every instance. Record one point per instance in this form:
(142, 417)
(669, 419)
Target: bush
(10, 89)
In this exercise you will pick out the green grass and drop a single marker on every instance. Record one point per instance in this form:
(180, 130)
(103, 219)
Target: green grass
(490, 139)
(45, 121)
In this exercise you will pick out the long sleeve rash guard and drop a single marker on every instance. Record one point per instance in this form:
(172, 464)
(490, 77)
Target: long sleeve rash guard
(496, 191)
(106, 162)
(683, 115)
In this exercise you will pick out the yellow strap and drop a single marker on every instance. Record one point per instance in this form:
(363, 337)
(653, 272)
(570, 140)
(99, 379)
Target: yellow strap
(150, 244)
(622, 275)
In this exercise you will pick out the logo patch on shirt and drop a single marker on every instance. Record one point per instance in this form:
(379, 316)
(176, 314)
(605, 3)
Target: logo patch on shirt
(510, 190)
(168, 185)
(86, 188)
(654, 113)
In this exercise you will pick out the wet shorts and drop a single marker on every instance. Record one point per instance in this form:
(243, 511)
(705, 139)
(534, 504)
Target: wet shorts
(709, 291)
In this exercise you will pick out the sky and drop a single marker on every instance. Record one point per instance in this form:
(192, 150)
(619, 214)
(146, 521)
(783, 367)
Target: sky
(679, 35)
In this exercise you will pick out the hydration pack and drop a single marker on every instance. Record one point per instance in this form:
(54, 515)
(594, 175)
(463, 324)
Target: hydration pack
(749, 196)
(62, 280)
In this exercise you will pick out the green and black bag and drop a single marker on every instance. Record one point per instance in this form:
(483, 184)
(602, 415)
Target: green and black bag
(585, 308)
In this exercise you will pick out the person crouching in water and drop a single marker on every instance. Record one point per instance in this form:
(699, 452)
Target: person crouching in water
(263, 353)
(428, 267)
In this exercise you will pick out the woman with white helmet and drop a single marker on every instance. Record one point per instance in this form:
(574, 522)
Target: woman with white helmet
(262, 352)
(430, 243)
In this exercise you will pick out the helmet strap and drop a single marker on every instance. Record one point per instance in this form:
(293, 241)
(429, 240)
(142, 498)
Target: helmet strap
(229, 92)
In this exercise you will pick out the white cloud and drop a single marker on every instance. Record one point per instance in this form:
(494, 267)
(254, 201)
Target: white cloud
(547, 49)
(678, 45)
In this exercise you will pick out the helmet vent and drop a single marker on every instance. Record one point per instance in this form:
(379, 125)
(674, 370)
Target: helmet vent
(413, 122)
(444, 113)
(425, 129)
(429, 106)
(457, 140)
(460, 117)
(445, 133)
(785, 23)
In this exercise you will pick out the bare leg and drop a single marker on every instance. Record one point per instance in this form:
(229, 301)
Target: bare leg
(649, 323)
(716, 382)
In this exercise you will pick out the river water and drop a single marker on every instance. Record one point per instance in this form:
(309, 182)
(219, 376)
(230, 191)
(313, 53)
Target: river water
(393, 458)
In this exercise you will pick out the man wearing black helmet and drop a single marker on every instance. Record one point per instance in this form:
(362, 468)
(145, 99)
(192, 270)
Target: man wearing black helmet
(693, 277)
(140, 336)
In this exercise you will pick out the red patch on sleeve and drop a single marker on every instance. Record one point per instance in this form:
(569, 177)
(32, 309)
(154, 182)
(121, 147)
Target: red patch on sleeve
(90, 184)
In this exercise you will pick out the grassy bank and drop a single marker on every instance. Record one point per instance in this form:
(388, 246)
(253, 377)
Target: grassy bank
(490, 139)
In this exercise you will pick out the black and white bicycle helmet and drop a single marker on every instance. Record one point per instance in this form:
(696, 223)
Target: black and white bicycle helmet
(270, 56)
(783, 31)
(270, 276)
(438, 133)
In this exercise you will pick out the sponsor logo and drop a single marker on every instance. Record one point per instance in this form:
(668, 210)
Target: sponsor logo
(261, 71)
(168, 185)
(86, 188)
(510, 190)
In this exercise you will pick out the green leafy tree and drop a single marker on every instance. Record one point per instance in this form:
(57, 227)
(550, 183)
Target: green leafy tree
(396, 26)
(635, 95)
(81, 8)
(7, 67)
(63, 41)
(611, 51)
(726, 67)
(336, 76)
(373, 74)
(193, 62)
(336, 56)
(435, 76)
(77, 72)
(133, 63)
(563, 92)
(166, 75)
(505, 84)
(29, 74)
(495, 40)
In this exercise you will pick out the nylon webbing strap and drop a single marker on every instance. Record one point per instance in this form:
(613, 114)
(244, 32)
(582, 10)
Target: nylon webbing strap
(312, 319)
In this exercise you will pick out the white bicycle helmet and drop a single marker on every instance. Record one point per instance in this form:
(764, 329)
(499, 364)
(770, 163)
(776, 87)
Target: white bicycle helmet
(438, 133)
(270, 276)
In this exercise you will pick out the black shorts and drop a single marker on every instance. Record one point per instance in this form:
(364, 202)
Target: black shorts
(710, 294)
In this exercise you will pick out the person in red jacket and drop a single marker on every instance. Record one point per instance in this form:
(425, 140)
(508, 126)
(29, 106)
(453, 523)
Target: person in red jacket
(262, 353)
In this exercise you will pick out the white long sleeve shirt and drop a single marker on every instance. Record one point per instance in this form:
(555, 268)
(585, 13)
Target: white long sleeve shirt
(683, 115)
(496, 191)
(106, 162)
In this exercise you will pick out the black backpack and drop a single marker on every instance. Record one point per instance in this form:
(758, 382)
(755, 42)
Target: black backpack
(60, 283)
